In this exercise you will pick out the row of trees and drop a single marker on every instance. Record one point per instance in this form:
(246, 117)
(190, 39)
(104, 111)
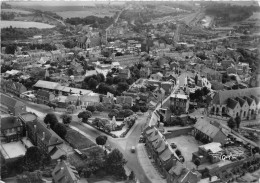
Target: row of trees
(96, 22)
(59, 128)
(234, 123)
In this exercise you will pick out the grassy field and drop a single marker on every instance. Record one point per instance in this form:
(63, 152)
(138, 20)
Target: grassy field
(23, 24)
(77, 140)
(16, 11)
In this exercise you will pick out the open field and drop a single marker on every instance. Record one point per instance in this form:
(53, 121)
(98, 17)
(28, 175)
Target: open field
(78, 140)
(16, 11)
(82, 14)
(21, 24)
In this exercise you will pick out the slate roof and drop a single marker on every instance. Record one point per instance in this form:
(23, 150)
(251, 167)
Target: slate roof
(51, 138)
(249, 100)
(10, 122)
(241, 101)
(47, 85)
(65, 173)
(207, 128)
(231, 103)
(43, 93)
(221, 96)
(166, 155)
(177, 169)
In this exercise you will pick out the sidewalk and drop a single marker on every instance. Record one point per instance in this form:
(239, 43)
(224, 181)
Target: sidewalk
(147, 165)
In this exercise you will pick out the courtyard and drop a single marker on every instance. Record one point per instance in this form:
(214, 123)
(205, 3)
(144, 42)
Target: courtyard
(186, 144)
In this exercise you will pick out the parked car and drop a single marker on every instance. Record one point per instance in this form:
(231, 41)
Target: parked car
(133, 149)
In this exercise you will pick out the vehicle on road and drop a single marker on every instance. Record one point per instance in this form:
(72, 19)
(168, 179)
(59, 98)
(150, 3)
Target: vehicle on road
(133, 149)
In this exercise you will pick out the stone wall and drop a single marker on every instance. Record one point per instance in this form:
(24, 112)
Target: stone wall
(178, 132)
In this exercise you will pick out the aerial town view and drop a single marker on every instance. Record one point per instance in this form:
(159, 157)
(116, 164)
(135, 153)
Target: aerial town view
(130, 92)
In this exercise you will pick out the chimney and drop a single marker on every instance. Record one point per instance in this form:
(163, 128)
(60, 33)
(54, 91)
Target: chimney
(43, 135)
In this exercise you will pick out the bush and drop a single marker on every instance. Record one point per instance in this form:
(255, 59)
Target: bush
(178, 152)
(91, 108)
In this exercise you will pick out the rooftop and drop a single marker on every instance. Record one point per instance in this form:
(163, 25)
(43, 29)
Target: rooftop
(12, 150)
(29, 116)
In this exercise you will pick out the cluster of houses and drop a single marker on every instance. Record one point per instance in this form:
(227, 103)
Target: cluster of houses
(21, 130)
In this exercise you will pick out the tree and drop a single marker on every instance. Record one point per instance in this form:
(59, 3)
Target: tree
(100, 107)
(70, 72)
(231, 123)
(135, 108)
(113, 112)
(85, 115)
(117, 107)
(196, 79)
(109, 80)
(197, 162)
(115, 163)
(122, 86)
(51, 119)
(66, 118)
(91, 108)
(60, 129)
(92, 83)
(101, 140)
(144, 108)
(126, 106)
(71, 108)
(128, 112)
(238, 121)
(10, 49)
(33, 158)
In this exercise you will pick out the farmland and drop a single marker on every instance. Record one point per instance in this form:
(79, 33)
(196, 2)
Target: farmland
(82, 14)
(22, 24)
(15, 11)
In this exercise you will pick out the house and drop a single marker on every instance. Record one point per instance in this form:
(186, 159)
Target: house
(124, 73)
(65, 172)
(108, 102)
(167, 86)
(124, 100)
(205, 153)
(48, 85)
(76, 67)
(11, 105)
(89, 41)
(11, 129)
(91, 73)
(44, 96)
(127, 60)
(224, 102)
(43, 137)
(158, 76)
(12, 87)
(115, 65)
(211, 74)
(164, 157)
(179, 102)
(89, 99)
(210, 132)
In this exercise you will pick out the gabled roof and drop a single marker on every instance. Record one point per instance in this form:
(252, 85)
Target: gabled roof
(231, 103)
(207, 128)
(240, 100)
(51, 138)
(65, 173)
(166, 155)
(177, 169)
(222, 96)
(10, 122)
(124, 99)
(249, 100)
